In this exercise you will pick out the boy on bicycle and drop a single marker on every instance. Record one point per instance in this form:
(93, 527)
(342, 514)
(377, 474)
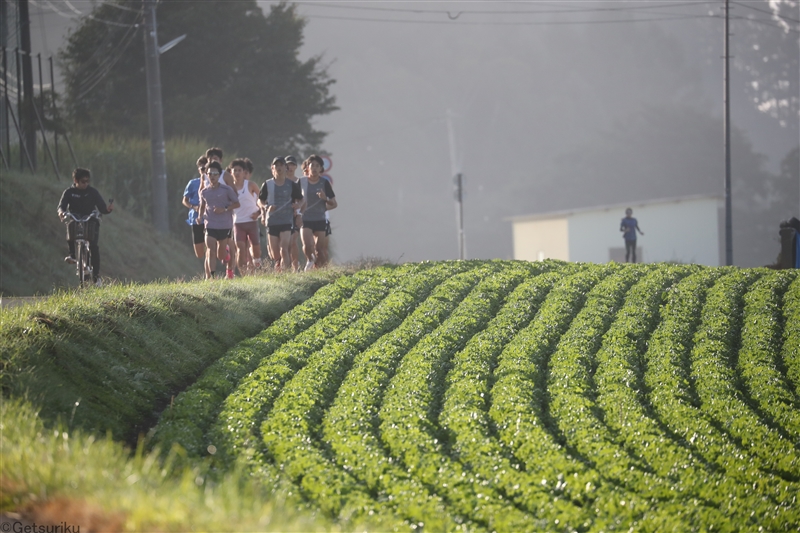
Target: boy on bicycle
(80, 200)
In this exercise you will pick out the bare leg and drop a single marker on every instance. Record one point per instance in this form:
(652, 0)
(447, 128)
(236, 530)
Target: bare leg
(309, 245)
(285, 244)
(211, 256)
(293, 251)
(322, 248)
(242, 256)
(223, 249)
(255, 254)
(274, 242)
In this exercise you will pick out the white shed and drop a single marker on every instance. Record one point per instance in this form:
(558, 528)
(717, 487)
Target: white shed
(688, 229)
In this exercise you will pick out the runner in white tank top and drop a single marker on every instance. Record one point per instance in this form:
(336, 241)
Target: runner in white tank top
(248, 197)
(245, 228)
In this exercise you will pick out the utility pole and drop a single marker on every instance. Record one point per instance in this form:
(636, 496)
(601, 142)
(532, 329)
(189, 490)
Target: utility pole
(458, 187)
(727, 127)
(157, 147)
(27, 117)
(459, 196)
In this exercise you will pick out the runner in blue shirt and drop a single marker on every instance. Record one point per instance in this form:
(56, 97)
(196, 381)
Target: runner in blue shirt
(191, 199)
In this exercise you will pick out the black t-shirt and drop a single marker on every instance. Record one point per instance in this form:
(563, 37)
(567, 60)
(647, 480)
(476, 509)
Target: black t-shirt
(81, 202)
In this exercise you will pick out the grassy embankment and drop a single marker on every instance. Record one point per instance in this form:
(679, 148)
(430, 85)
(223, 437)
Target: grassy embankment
(98, 362)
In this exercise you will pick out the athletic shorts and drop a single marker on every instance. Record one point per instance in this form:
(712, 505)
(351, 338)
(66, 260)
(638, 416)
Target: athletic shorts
(198, 234)
(218, 234)
(276, 231)
(246, 230)
(316, 225)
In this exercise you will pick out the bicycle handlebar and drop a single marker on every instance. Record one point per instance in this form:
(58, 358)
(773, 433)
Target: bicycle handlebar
(94, 214)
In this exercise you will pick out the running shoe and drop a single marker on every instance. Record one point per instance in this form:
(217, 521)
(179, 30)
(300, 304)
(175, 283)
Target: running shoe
(71, 260)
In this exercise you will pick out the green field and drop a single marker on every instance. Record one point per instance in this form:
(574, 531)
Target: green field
(439, 396)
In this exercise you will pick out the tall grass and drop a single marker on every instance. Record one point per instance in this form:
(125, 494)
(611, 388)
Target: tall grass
(54, 476)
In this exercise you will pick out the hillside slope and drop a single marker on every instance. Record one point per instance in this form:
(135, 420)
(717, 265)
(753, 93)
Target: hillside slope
(497, 396)
(33, 246)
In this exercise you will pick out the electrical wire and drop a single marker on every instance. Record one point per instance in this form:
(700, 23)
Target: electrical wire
(54, 9)
(69, 5)
(90, 82)
(663, 16)
(519, 23)
(769, 23)
(784, 17)
(118, 6)
(502, 12)
(108, 53)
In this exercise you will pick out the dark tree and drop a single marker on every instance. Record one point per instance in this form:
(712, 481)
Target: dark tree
(236, 80)
(767, 53)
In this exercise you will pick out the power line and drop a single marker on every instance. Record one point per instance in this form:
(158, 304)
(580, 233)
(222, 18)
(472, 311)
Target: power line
(451, 16)
(504, 12)
(91, 81)
(784, 17)
(769, 23)
(106, 54)
(48, 5)
(118, 6)
(540, 23)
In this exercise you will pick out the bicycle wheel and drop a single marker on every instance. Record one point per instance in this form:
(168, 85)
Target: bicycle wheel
(83, 264)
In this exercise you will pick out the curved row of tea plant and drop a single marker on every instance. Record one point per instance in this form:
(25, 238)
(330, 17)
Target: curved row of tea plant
(292, 429)
(713, 371)
(408, 416)
(235, 431)
(759, 357)
(507, 396)
(671, 392)
(790, 354)
(466, 404)
(351, 425)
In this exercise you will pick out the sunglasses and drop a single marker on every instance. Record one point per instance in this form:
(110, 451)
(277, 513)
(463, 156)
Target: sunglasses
(215, 173)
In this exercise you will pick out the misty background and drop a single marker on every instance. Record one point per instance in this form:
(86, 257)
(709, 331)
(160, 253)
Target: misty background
(553, 106)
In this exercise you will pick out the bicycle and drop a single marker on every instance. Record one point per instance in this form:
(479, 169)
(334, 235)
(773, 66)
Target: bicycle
(81, 234)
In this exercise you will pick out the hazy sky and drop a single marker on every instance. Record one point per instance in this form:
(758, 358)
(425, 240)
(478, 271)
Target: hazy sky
(528, 86)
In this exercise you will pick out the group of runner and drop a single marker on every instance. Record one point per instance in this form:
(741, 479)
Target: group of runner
(225, 203)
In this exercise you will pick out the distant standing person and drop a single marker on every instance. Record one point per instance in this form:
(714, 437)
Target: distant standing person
(217, 202)
(629, 226)
(80, 200)
(191, 199)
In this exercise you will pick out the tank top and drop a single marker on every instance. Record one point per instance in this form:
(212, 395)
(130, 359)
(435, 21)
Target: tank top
(247, 205)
